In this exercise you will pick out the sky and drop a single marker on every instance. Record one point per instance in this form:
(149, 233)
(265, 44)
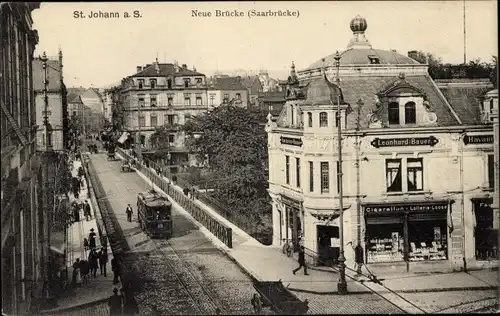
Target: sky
(100, 52)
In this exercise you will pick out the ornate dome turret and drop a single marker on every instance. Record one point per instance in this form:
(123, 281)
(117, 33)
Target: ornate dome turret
(358, 27)
(323, 92)
(358, 24)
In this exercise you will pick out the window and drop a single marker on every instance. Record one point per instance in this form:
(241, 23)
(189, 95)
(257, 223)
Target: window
(187, 100)
(491, 171)
(169, 83)
(311, 176)
(152, 83)
(187, 82)
(393, 175)
(142, 121)
(198, 100)
(325, 178)
(152, 100)
(226, 98)
(154, 121)
(187, 117)
(238, 96)
(170, 101)
(141, 100)
(394, 113)
(199, 81)
(212, 98)
(374, 59)
(171, 138)
(410, 113)
(170, 119)
(74, 113)
(414, 170)
(323, 119)
(287, 169)
(297, 171)
(338, 176)
(140, 82)
(337, 119)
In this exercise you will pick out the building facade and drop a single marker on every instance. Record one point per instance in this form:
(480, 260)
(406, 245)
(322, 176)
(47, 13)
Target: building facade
(57, 106)
(254, 87)
(417, 181)
(162, 95)
(224, 90)
(22, 232)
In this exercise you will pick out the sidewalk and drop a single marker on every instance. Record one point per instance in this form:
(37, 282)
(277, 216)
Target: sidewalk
(268, 263)
(99, 289)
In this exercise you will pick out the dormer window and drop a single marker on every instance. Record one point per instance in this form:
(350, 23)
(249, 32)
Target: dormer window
(410, 113)
(152, 82)
(487, 111)
(187, 82)
(169, 83)
(199, 81)
(393, 113)
(323, 119)
(374, 59)
(140, 83)
(309, 119)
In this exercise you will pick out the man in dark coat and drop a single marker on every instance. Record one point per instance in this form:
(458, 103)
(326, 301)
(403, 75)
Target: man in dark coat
(115, 267)
(115, 303)
(302, 261)
(87, 210)
(103, 260)
(76, 212)
(92, 237)
(93, 262)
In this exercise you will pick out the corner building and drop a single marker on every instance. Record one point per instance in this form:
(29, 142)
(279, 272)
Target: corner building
(417, 183)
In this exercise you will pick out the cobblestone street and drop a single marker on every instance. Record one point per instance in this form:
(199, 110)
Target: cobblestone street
(97, 309)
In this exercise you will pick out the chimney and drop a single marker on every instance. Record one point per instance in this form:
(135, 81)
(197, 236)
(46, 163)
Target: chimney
(413, 54)
(184, 66)
(139, 68)
(176, 66)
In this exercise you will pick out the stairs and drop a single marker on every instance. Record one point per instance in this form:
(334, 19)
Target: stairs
(14, 125)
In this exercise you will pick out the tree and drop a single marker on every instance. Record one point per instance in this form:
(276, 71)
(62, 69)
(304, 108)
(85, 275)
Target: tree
(235, 145)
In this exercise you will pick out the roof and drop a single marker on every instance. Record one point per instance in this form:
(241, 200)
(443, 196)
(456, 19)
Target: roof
(165, 70)
(465, 96)
(272, 96)
(250, 81)
(154, 199)
(74, 97)
(365, 88)
(323, 92)
(53, 75)
(228, 83)
(357, 56)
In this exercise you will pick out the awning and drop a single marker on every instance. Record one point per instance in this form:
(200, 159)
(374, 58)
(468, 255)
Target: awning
(123, 138)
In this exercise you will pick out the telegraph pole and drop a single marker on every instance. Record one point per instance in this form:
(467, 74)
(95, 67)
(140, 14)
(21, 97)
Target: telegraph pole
(138, 145)
(46, 158)
(342, 284)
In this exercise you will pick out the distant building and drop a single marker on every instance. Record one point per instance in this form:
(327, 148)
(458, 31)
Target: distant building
(254, 87)
(268, 84)
(57, 102)
(93, 99)
(271, 102)
(162, 95)
(223, 90)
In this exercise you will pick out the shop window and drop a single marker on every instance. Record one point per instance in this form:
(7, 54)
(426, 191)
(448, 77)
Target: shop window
(485, 233)
(410, 113)
(287, 169)
(491, 172)
(385, 239)
(297, 171)
(310, 119)
(427, 238)
(393, 175)
(325, 178)
(311, 176)
(414, 170)
(323, 119)
(394, 113)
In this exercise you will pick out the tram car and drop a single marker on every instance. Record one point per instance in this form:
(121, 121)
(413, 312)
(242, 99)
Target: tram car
(154, 214)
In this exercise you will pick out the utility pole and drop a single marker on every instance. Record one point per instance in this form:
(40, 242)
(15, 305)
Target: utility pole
(138, 143)
(342, 284)
(465, 38)
(46, 159)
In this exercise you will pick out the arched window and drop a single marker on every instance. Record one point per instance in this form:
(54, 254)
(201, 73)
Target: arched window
(323, 119)
(491, 105)
(310, 119)
(394, 113)
(410, 113)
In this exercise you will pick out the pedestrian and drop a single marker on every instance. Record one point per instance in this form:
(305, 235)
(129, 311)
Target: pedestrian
(116, 270)
(129, 213)
(115, 303)
(76, 279)
(76, 212)
(86, 210)
(103, 260)
(92, 237)
(302, 261)
(129, 302)
(358, 258)
(84, 271)
(93, 262)
(86, 245)
(76, 186)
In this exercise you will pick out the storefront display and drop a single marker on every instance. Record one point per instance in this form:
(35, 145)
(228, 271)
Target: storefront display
(417, 230)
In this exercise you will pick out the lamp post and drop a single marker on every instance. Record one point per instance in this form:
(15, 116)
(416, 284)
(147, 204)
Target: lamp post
(139, 143)
(342, 284)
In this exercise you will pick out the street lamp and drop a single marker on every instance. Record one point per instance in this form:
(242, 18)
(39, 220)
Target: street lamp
(342, 284)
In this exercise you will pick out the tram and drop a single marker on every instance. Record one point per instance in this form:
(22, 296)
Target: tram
(154, 214)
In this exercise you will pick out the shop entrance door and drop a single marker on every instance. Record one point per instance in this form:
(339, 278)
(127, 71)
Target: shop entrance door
(328, 253)
(294, 225)
(485, 234)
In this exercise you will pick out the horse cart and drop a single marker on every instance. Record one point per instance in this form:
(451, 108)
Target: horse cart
(276, 296)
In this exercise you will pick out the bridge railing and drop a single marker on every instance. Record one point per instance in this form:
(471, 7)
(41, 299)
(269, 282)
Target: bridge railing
(216, 227)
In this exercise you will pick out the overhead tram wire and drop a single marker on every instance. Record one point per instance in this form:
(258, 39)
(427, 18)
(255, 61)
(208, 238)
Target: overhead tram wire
(374, 279)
